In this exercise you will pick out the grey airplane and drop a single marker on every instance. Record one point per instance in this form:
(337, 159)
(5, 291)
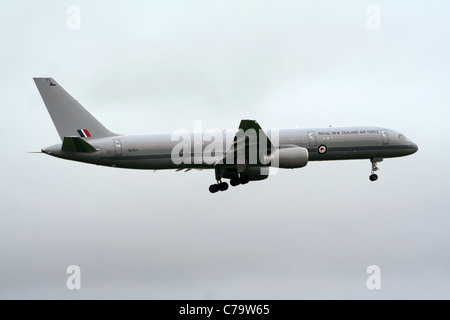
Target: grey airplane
(242, 155)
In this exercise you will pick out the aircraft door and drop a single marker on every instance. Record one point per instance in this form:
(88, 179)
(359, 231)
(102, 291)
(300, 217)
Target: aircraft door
(385, 137)
(312, 139)
(118, 147)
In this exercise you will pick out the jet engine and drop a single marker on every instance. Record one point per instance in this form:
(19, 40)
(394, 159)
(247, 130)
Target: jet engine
(289, 157)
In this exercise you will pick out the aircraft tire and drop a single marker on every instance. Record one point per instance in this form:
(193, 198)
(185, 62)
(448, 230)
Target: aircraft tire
(223, 186)
(244, 179)
(235, 182)
(214, 188)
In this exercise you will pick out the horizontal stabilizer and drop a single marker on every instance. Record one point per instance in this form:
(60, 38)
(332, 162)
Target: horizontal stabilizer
(76, 144)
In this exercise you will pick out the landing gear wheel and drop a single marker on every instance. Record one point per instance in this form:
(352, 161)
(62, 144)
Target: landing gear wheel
(235, 182)
(214, 188)
(373, 176)
(223, 186)
(244, 179)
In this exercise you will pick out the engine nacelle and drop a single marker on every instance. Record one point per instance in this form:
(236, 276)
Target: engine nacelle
(289, 157)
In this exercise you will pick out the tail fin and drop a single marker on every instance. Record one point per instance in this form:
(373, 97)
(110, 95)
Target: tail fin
(68, 115)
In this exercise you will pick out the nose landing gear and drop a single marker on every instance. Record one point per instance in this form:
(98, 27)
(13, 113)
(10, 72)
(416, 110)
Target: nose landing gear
(373, 176)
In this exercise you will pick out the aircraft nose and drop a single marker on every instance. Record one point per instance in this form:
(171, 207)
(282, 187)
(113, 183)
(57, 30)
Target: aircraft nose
(414, 147)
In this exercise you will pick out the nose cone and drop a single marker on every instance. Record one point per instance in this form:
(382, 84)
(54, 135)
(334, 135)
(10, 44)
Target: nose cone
(413, 147)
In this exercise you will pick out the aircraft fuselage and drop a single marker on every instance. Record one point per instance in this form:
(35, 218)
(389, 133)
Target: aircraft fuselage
(154, 151)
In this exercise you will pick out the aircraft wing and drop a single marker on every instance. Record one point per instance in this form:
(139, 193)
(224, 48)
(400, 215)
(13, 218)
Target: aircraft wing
(250, 141)
(252, 124)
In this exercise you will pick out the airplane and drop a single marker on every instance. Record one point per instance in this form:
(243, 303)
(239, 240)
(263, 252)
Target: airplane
(242, 155)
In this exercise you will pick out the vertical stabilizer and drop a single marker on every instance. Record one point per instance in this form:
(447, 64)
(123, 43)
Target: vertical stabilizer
(68, 115)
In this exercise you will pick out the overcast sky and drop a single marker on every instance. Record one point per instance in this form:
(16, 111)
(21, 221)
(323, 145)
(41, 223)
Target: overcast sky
(156, 66)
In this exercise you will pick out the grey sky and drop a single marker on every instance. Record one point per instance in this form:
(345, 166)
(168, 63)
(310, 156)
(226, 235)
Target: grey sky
(156, 66)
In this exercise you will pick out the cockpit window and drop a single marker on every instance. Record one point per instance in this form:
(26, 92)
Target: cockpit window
(401, 136)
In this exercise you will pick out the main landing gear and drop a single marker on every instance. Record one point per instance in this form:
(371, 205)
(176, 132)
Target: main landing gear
(223, 186)
(220, 186)
(373, 176)
(243, 179)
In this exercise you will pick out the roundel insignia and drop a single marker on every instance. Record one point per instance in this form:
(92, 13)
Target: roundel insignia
(322, 149)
